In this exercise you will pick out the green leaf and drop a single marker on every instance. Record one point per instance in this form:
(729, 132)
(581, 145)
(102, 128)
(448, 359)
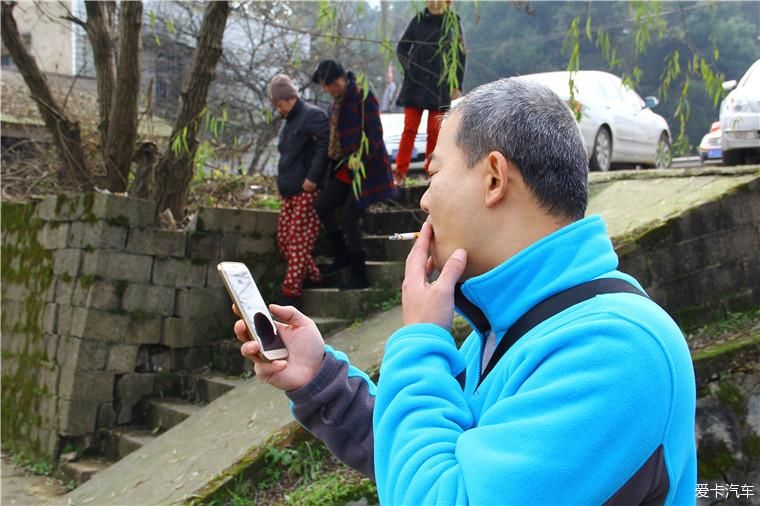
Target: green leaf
(170, 25)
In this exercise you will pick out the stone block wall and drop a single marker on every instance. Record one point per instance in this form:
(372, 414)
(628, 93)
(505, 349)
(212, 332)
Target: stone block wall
(98, 305)
(704, 263)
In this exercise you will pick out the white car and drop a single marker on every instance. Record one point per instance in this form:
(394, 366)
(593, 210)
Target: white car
(617, 125)
(393, 127)
(709, 149)
(740, 117)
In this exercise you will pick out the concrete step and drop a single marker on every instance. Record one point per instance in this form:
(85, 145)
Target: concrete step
(213, 384)
(119, 442)
(381, 274)
(82, 470)
(161, 415)
(347, 304)
(390, 221)
(379, 248)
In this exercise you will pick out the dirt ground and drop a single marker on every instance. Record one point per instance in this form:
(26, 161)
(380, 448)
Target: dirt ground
(19, 487)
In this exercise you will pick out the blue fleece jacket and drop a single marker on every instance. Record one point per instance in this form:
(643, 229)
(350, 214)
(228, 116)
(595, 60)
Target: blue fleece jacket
(594, 405)
(571, 412)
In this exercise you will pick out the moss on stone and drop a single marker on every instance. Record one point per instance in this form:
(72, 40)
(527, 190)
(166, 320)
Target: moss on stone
(25, 262)
(730, 396)
(87, 280)
(118, 221)
(715, 458)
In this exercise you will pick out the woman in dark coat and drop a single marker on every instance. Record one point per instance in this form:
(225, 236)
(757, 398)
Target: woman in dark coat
(351, 115)
(421, 52)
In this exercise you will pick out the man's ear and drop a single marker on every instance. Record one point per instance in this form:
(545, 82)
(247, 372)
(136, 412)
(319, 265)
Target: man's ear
(497, 178)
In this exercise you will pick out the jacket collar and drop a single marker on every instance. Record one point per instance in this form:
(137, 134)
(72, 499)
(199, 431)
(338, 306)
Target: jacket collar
(295, 111)
(572, 255)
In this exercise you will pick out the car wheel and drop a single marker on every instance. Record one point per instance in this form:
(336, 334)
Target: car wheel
(733, 157)
(664, 155)
(602, 155)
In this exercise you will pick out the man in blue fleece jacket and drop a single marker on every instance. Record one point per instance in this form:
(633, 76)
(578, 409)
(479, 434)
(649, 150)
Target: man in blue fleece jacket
(592, 405)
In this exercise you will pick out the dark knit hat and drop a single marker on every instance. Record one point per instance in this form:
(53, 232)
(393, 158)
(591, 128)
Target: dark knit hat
(327, 72)
(281, 88)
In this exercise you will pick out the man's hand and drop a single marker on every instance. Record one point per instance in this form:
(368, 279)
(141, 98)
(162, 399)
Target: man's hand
(309, 186)
(425, 302)
(303, 341)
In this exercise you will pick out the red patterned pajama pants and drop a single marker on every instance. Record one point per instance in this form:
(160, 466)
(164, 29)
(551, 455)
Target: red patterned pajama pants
(297, 231)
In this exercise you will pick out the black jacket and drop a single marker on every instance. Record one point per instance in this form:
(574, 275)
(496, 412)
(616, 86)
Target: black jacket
(303, 148)
(421, 58)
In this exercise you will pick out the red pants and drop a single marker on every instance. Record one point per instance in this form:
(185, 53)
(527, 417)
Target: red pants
(297, 231)
(412, 117)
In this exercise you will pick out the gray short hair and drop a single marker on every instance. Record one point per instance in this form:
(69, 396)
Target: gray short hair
(532, 127)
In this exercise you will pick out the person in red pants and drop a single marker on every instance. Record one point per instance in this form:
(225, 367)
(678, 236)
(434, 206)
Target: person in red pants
(421, 52)
(300, 173)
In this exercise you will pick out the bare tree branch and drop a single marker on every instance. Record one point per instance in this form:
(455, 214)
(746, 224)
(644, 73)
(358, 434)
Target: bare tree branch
(65, 132)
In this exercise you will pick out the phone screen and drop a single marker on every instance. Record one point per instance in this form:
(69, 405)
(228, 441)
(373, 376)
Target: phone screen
(253, 308)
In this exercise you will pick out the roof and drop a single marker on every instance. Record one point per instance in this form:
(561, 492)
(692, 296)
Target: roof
(78, 96)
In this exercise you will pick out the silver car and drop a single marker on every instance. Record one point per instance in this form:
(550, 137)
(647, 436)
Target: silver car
(740, 118)
(617, 125)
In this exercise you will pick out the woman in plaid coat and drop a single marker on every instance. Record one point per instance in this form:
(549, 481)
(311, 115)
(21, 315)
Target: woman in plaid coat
(352, 116)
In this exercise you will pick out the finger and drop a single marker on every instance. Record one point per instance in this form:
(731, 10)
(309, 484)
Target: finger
(241, 331)
(236, 311)
(250, 350)
(289, 315)
(453, 269)
(265, 370)
(417, 258)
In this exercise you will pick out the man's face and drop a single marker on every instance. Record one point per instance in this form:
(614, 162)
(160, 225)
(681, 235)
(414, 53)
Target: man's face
(436, 6)
(454, 198)
(336, 88)
(285, 106)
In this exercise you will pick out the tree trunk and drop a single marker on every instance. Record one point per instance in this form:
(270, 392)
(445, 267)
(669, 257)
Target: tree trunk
(174, 172)
(122, 129)
(66, 134)
(99, 28)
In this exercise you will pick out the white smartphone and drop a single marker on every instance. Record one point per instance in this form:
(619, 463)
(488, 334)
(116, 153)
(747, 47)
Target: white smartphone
(246, 296)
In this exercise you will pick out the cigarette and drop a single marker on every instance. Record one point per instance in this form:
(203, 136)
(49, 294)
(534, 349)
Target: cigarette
(406, 236)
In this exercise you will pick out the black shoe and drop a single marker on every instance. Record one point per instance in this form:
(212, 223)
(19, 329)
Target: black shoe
(285, 300)
(358, 279)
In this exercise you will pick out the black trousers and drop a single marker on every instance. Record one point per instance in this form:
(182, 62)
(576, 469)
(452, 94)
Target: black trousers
(338, 195)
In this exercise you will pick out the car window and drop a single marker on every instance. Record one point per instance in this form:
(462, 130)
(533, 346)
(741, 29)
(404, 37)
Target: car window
(611, 88)
(752, 78)
(633, 98)
(555, 81)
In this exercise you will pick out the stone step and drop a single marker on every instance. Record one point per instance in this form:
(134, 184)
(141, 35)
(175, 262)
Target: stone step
(161, 415)
(213, 384)
(381, 274)
(379, 248)
(119, 442)
(347, 304)
(81, 470)
(390, 221)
